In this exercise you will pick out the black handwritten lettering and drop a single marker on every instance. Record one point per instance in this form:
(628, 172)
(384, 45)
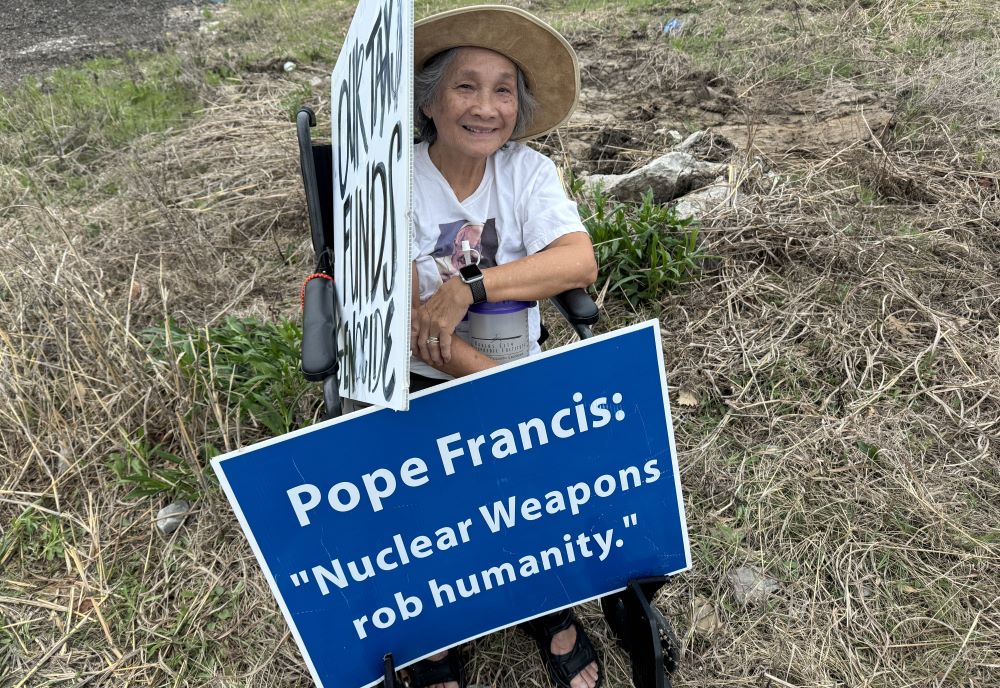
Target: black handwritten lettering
(343, 140)
(357, 78)
(397, 72)
(368, 344)
(396, 139)
(388, 381)
(377, 56)
(380, 184)
(341, 265)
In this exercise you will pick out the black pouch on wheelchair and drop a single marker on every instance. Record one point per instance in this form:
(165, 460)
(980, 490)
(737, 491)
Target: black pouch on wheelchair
(319, 328)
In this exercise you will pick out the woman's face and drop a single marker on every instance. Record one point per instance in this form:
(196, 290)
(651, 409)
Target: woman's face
(475, 108)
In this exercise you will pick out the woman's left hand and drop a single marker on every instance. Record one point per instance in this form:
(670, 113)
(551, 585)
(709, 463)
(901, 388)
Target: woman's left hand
(433, 323)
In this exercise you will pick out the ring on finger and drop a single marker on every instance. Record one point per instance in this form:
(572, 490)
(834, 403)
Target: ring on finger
(433, 340)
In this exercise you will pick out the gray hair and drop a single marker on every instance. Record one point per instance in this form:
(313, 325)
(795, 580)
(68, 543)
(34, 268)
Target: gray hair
(425, 91)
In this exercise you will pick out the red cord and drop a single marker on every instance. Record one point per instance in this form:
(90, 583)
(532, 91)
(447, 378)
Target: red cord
(308, 279)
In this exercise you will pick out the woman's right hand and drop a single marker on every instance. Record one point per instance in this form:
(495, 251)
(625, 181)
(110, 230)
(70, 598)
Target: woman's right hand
(432, 325)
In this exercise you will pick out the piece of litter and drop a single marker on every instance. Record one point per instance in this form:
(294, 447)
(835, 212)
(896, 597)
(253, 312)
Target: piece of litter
(750, 585)
(704, 618)
(687, 398)
(672, 26)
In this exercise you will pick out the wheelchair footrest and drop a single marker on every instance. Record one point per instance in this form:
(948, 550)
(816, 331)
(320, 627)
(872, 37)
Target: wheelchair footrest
(644, 633)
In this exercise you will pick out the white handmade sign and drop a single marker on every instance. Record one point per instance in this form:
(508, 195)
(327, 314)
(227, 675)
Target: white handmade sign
(372, 148)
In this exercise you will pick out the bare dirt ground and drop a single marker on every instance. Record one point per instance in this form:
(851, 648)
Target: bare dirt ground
(37, 35)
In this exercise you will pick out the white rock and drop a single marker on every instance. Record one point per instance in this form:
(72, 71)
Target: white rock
(289, 67)
(699, 203)
(708, 145)
(750, 585)
(687, 144)
(172, 516)
(63, 464)
(605, 181)
(668, 177)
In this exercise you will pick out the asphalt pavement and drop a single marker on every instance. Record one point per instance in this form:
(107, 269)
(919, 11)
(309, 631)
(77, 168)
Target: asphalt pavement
(37, 35)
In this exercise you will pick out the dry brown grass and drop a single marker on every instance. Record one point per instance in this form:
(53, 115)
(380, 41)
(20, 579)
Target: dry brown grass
(844, 354)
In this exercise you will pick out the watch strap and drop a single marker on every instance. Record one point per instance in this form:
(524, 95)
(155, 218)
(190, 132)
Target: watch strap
(478, 291)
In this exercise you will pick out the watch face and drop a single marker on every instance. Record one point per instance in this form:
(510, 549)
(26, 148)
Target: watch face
(470, 272)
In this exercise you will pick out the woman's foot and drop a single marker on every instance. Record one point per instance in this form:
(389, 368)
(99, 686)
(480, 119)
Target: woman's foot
(562, 643)
(434, 658)
(438, 672)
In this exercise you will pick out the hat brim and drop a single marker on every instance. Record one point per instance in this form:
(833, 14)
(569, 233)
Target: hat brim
(547, 60)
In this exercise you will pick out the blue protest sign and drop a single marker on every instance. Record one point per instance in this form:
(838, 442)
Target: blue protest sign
(494, 499)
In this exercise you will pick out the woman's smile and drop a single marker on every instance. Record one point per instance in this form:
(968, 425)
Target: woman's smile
(475, 110)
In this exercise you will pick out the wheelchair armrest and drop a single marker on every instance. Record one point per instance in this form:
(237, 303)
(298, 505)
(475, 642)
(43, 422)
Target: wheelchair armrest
(319, 329)
(579, 310)
(576, 306)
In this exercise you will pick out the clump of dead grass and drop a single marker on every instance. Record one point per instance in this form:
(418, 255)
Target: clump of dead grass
(206, 221)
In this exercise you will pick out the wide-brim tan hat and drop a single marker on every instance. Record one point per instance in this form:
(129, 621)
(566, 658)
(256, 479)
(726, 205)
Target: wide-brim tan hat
(548, 61)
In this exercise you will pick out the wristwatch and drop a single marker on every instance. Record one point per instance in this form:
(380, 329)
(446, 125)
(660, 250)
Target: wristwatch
(473, 276)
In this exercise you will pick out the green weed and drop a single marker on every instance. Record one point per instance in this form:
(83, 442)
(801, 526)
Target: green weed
(94, 108)
(306, 31)
(294, 100)
(643, 250)
(34, 535)
(151, 470)
(252, 365)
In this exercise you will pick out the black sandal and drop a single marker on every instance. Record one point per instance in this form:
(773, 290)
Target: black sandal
(563, 668)
(430, 672)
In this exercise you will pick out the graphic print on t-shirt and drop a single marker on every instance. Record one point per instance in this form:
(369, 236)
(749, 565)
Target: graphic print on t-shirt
(483, 241)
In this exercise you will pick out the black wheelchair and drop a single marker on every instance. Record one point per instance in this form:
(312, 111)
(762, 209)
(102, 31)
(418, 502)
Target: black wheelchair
(641, 630)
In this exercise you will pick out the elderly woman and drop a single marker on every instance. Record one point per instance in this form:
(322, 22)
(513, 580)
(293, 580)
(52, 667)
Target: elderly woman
(492, 223)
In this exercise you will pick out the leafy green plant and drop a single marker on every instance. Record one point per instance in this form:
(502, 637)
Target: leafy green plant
(151, 469)
(35, 535)
(252, 365)
(643, 250)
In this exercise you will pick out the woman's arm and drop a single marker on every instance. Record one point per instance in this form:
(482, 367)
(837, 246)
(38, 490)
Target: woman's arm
(465, 359)
(566, 263)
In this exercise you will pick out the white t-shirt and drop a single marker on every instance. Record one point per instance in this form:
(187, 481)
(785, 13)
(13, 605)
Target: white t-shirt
(519, 208)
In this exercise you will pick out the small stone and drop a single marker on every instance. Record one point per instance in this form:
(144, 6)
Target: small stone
(690, 142)
(750, 585)
(704, 618)
(688, 397)
(698, 203)
(709, 146)
(172, 516)
(63, 464)
(289, 67)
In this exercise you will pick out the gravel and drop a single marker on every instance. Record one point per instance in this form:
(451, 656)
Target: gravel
(39, 35)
